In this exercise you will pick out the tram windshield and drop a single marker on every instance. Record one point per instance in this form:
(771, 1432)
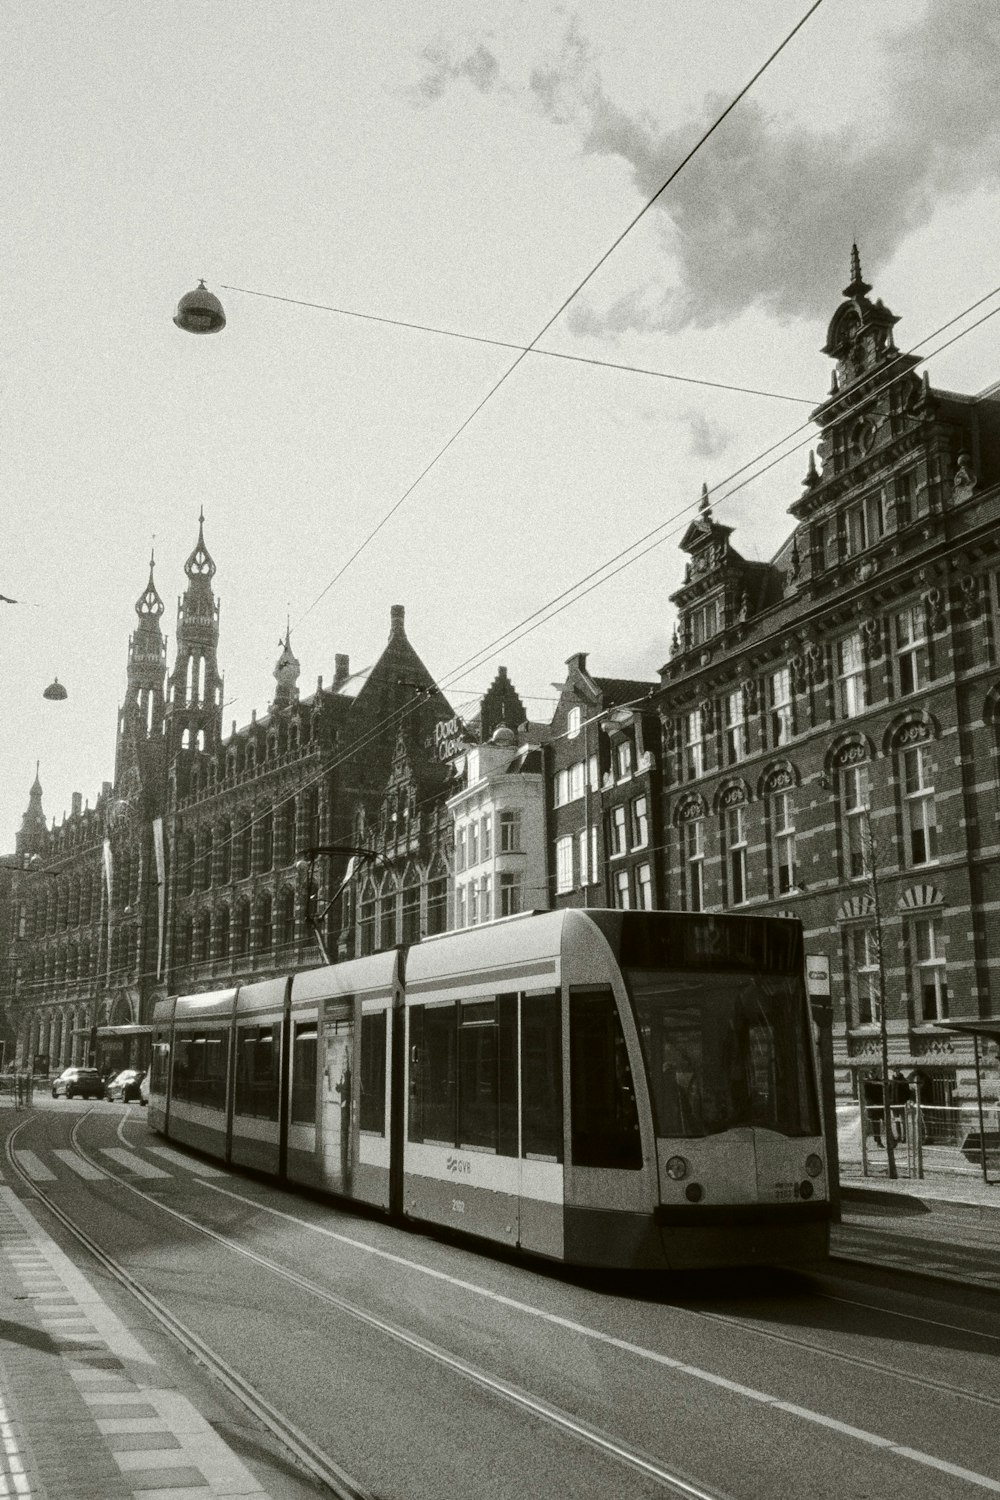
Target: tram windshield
(724, 1050)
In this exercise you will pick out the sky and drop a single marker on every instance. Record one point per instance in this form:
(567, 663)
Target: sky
(465, 168)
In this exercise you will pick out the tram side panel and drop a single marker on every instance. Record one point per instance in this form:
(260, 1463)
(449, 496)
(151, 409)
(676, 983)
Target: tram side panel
(159, 1065)
(259, 1043)
(199, 1070)
(609, 1140)
(339, 1127)
(482, 1147)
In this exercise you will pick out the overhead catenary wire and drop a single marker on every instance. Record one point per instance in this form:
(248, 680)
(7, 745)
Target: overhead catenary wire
(475, 338)
(621, 560)
(526, 350)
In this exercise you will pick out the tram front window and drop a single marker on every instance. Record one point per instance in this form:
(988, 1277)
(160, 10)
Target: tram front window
(725, 1050)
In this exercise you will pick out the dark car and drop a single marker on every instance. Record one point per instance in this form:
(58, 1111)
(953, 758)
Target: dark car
(125, 1085)
(82, 1083)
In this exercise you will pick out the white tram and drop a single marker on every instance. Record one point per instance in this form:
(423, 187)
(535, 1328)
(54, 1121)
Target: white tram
(633, 1089)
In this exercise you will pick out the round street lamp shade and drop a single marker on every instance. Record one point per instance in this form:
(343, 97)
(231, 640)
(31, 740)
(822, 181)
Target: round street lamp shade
(200, 312)
(55, 691)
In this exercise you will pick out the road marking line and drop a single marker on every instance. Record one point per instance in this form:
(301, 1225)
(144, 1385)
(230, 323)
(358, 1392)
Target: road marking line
(190, 1164)
(820, 1419)
(32, 1166)
(79, 1166)
(132, 1162)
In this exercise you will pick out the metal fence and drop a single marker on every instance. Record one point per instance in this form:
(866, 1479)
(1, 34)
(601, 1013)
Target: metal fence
(928, 1139)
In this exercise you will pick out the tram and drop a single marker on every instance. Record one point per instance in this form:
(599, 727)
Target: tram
(605, 1088)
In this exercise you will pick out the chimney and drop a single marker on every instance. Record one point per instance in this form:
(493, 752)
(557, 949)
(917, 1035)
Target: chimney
(396, 616)
(77, 804)
(341, 670)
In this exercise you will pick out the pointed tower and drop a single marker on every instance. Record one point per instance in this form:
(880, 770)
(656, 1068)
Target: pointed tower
(194, 710)
(286, 674)
(140, 718)
(31, 837)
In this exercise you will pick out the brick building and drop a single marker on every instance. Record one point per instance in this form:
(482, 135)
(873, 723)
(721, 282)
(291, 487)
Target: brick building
(192, 871)
(824, 739)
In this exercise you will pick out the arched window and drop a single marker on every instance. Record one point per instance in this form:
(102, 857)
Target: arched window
(203, 938)
(74, 902)
(263, 943)
(205, 863)
(185, 935)
(244, 849)
(411, 906)
(387, 914)
(265, 841)
(286, 917)
(285, 833)
(366, 918)
(308, 819)
(242, 935)
(222, 931)
(188, 859)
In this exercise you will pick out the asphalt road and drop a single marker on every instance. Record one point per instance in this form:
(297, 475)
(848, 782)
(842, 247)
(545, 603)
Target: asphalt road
(430, 1370)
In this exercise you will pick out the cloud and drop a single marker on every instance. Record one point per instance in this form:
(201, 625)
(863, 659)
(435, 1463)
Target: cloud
(708, 438)
(755, 218)
(478, 66)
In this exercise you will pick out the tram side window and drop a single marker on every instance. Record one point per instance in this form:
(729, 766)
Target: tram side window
(433, 1073)
(159, 1066)
(304, 1073)
(541, 1077)
(605, 1120)
(372, 1115)
(200, 1068)
(258, 1050)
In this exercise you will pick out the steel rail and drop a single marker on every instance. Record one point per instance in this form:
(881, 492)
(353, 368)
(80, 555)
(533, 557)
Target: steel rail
(857, 1361)
(678, 1484)
(317, 1464)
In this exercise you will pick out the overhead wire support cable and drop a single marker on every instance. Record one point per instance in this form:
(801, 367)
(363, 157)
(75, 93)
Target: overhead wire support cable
(476, 338)
(622, 560)
(706, 134)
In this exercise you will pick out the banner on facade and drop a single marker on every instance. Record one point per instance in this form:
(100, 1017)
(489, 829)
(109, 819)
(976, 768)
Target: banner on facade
(161, 891)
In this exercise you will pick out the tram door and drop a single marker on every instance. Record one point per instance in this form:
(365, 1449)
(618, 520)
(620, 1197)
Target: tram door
(337, 1095)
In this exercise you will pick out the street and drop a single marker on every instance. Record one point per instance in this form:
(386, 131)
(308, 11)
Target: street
(423, 1368)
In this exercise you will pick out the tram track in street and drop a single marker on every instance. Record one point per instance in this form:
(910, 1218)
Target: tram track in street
(316, 1462)
(644, 1463)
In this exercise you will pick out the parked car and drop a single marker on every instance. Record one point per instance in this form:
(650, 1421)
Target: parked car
(83, 1083)
(125, 1085)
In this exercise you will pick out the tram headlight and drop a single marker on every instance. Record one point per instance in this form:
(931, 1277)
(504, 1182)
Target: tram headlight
(694, 1192)
(677, 1168)
(805, 1189)
(814, 1165)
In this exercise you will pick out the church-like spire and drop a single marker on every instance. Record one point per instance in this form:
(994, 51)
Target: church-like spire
(200, 563)
(149, 601)
(32, 835)
(140, 718)
(857, 286)
(195, 711)
(286, 671)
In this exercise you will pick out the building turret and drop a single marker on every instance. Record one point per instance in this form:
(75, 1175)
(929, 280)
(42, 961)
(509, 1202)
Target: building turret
(140, 718)
(286, 674)
(194, 710)
(31, 838)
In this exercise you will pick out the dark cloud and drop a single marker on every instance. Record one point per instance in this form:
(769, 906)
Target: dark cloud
(755, 218)
(707, 438)
(477, 66)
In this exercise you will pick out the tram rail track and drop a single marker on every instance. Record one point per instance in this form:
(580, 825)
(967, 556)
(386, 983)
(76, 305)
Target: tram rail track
(313, 1459)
